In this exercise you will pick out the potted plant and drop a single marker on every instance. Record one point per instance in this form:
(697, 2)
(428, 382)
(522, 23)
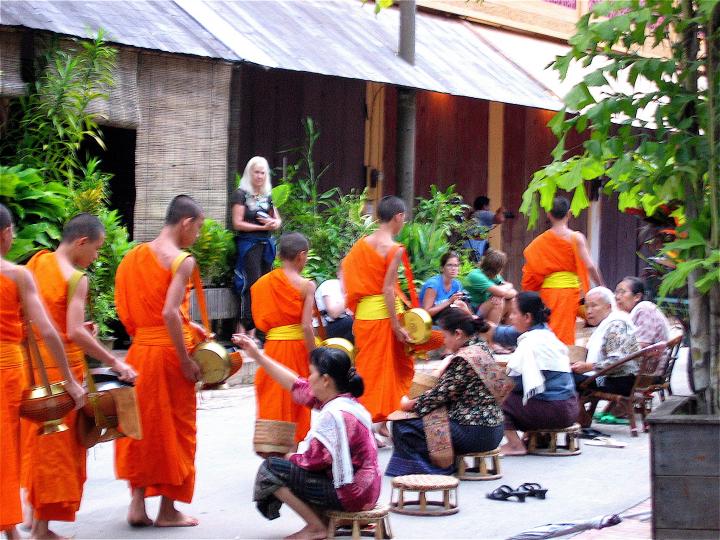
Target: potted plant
(670, 157)
(214, 251)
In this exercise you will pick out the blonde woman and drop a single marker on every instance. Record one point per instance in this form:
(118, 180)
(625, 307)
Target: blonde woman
(254, 218)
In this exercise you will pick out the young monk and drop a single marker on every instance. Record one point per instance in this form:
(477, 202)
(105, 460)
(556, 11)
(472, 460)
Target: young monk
(371, 279)
(152, 298)
(557, 264)
(18, 293)
(60, 455)
(282, 303)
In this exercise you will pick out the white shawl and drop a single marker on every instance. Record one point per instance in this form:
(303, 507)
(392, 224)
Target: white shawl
(330, 431)
(597, 338)
(537, 350)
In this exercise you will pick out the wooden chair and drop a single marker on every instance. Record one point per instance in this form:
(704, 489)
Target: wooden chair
(650, 357)
(424, 484)
(483, 466)
(569, 447)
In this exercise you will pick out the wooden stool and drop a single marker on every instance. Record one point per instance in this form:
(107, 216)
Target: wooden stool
(570, 448)
(423, 483)
(480, 469)
(378, 516)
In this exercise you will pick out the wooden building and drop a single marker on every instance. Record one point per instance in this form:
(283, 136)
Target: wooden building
(203, 86)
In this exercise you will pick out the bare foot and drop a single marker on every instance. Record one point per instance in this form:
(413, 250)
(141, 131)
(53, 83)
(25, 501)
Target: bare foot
(382, 429)
(137, 515)
(308, 533)
(45, 534)
(178, 519)
(509, 450)
(12, 533)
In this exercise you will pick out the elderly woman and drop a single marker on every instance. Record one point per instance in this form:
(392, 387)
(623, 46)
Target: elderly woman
(544, 396)
(254, 218)
(651, 325)
(467, 396)
(443, 291)
(613, 339)
(339, 469)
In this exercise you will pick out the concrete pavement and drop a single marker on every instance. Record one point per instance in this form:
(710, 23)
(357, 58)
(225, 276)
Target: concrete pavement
(599, 481)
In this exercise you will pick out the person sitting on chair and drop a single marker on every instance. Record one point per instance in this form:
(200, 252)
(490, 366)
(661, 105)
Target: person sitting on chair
(444, 291)
(339, 470)
(651, 325)
(490, 294)
(613, 339)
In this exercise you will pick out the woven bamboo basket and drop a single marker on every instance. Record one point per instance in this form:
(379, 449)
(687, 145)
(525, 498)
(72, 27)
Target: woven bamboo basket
(421, 383)
(274, 437)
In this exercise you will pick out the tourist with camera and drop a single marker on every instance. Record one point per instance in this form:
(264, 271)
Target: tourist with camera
(444, 290)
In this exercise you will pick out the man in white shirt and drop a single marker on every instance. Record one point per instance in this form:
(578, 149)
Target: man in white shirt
(330, 299)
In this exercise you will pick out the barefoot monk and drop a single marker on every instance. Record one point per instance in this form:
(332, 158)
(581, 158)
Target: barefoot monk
(152, 297)
(20, 299)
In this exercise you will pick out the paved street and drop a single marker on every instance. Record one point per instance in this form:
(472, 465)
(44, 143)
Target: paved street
(600, 480)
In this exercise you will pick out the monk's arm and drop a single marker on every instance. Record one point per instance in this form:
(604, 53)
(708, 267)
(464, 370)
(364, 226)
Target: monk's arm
(173, 321)
(79, 334)
(391, 277)
(307, 315)
(593, 270)
(48, 333)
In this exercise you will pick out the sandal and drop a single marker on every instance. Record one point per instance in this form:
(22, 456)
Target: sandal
(612, 419)
(503, 493)
(533, 489)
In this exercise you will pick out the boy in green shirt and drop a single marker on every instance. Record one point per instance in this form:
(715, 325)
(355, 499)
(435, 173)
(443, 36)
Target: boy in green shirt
(489, 293)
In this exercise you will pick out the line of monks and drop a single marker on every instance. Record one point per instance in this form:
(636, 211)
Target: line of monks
(152, 292)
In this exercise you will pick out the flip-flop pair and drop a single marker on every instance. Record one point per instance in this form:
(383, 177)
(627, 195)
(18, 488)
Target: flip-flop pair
(528, 489)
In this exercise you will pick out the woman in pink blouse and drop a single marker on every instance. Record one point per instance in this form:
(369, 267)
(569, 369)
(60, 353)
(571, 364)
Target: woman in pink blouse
(651, 325)
(339, 468)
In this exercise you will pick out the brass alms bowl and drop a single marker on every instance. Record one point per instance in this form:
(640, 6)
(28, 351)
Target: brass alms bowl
(48, 409)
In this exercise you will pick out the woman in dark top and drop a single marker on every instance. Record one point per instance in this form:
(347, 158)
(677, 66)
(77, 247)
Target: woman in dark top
(254, 218)
(469, 392)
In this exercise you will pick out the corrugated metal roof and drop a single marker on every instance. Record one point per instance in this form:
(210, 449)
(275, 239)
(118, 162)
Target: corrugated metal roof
(160, 25)
(344, 38)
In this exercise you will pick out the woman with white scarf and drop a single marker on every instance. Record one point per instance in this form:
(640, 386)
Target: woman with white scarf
(544, 396)
(613, 339)
(339, 468)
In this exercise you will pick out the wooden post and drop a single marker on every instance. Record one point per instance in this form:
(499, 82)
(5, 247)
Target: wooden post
(496, 132)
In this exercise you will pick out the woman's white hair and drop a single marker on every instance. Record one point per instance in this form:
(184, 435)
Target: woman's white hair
(246, 179)
(604, 293)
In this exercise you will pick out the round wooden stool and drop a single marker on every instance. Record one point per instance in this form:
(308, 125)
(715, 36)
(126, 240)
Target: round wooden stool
(571, 446)
(357, 521)
(424, 483)
(484, 466)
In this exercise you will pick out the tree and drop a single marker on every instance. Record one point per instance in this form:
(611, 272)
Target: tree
(671, 160)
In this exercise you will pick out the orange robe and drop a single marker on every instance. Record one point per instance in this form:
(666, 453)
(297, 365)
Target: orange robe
(548, 254)
(12, 383)
(54, 465)
(380, 358)
(276, 302)
(163, 461)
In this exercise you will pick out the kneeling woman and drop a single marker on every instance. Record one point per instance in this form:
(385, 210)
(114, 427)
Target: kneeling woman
(544, 396)
(464, 405)
(339, 469)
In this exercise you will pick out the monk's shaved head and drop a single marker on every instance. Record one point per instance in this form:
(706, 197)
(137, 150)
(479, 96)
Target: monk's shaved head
(83, 226)
(389, 207)
(5, 217)
(560, 207)
(291, 245)
(182, 207)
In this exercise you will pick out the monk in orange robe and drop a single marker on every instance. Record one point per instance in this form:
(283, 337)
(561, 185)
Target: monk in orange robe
(18, 292)
(152, 288)
(557, 264)
(370, 272)
(55, 464)
(282, 303)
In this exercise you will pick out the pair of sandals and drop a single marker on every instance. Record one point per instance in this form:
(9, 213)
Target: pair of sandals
(608, 418)
(528, 489)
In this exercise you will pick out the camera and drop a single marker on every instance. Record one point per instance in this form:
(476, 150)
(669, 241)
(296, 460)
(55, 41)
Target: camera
(262, 214)
(508, 214)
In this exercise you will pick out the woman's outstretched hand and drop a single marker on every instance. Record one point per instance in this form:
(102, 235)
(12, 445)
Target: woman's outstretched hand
(247, 344)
